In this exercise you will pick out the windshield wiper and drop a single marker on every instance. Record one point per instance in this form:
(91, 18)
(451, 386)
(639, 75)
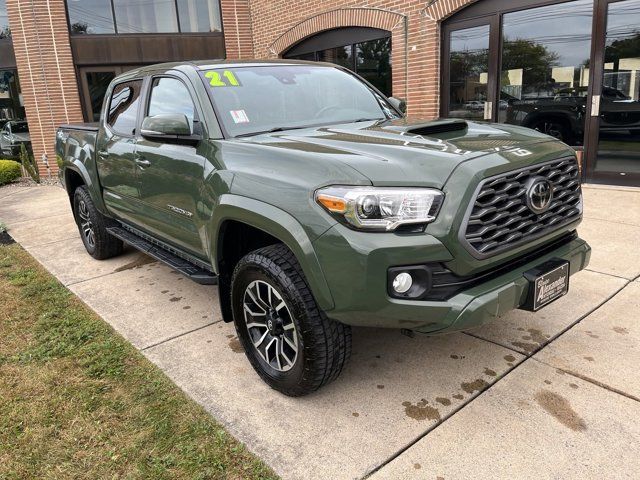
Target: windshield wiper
(271, 130)
(369, 120)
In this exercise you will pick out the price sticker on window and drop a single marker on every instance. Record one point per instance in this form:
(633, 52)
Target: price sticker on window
(222, 78)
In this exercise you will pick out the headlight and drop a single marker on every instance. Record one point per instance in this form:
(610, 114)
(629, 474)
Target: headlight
(381, 209)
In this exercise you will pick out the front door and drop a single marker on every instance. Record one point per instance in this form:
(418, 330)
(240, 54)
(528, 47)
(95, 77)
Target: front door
(171, 174)
(614, 139)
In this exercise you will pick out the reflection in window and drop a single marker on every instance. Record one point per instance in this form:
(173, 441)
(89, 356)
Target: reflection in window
(619, 121)
(545, 68)
(199, 15)
(339, 55)
(5, 31)
(10, 104)
(141, 16)
(145, 16)
(170, 95)
(468, 67)
(90, 16)
(373, 63)
(370, 59)
(98, 82)
(123, 107)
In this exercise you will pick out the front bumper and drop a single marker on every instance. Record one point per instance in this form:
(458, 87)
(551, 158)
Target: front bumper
(357, 282)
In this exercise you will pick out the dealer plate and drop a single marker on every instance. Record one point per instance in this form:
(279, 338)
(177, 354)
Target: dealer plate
(547, 283)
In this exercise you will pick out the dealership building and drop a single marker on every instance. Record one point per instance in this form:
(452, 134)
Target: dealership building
(567, 68)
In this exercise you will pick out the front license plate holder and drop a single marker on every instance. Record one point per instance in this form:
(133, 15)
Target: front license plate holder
(547, 282)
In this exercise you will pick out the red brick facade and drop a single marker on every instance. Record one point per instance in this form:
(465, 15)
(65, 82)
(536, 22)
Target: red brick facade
(45, 66)
(236, 21)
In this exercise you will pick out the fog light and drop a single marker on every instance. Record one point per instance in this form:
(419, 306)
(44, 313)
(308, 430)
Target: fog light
(402, 283)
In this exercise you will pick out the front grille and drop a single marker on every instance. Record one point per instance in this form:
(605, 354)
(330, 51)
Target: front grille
(500, 218)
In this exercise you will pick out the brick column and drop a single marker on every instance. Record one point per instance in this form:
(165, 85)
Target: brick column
(45, 67)
(236, 24)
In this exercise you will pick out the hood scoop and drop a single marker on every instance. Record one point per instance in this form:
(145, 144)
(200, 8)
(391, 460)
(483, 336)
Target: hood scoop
(432, 128)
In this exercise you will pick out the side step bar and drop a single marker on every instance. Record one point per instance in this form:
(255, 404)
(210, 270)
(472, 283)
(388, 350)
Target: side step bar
(187, 268)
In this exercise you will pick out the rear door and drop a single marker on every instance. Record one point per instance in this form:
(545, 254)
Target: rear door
(115, 149)
(171, 173)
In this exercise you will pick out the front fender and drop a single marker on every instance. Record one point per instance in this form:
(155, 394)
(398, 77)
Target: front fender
(280, 225)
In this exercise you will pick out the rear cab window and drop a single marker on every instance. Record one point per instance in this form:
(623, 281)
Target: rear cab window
(122, 113)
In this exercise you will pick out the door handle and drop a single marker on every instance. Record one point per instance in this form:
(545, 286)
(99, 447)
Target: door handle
(103, 153)
(142, 163)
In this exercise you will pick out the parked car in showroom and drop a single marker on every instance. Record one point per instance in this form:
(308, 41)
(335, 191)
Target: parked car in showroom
(315, 206)
(562, 115)
(13, 135)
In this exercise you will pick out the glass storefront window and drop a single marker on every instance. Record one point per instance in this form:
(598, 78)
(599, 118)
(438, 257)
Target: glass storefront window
(90, 16)
(468, 72)
(371, 60)
(199, 15)
(619, 119)
(11, 107)
(373, 63)
(340, 56)
(5, 31)
(545, 68)
(141, 16)
(145, 16)
(98, 83)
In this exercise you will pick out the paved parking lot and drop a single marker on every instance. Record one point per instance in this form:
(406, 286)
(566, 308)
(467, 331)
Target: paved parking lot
(550, 395)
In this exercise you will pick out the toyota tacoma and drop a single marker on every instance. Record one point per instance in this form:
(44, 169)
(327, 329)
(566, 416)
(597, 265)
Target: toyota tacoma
(315, 205)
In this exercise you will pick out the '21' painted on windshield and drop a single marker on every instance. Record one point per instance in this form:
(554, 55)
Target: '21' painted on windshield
(226, 79)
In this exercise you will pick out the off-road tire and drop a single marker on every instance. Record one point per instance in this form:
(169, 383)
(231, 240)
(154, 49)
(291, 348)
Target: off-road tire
(324, 345)
(105, 245)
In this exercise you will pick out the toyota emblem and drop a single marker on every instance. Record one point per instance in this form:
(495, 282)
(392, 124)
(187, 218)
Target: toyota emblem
(539, 195)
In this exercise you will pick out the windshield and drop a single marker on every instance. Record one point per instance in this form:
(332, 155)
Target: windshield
(259, 99)
(21, 127)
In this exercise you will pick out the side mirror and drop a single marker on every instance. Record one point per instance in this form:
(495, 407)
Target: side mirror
(168, 126)
(399, 104)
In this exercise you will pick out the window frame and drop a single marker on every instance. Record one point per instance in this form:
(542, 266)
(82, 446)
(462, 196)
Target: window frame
(117, 33)
(107, 107)
(197, 114)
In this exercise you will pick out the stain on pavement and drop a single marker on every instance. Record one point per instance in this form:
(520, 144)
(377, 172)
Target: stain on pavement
(560, 408)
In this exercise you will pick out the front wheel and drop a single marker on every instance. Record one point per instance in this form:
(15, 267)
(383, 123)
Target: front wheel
(93, 227)
(288, 340)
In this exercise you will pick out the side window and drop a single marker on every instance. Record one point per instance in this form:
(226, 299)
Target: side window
(170, 95)
(123, 107)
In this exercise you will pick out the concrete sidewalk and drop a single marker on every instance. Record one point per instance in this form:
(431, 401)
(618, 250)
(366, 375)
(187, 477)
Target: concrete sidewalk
(550, 395)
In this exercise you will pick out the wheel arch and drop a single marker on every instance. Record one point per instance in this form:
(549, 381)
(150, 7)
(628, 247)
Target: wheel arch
(241, 224)
(76, 174)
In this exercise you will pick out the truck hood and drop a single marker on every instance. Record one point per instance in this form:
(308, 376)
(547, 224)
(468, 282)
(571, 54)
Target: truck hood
(404, 152)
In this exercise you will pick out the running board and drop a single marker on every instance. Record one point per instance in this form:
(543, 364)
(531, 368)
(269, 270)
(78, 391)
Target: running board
(187, 268)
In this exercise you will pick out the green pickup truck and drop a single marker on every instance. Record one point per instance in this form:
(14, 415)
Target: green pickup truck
(315, 205)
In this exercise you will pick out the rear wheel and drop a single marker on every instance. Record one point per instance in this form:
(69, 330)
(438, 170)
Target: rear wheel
(288, 340)
(93, 227)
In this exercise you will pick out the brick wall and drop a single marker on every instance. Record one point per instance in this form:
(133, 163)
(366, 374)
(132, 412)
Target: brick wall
(45, 67)
(278, 24)
(236, 24)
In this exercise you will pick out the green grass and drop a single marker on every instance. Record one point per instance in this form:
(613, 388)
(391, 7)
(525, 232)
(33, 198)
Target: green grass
(77, 401)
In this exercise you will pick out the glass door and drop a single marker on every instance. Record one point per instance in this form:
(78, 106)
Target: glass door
(95, 81)
(469, 83)
(615, 112)
(544, 77)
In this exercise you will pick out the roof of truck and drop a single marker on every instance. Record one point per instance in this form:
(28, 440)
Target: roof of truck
(209, 64)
